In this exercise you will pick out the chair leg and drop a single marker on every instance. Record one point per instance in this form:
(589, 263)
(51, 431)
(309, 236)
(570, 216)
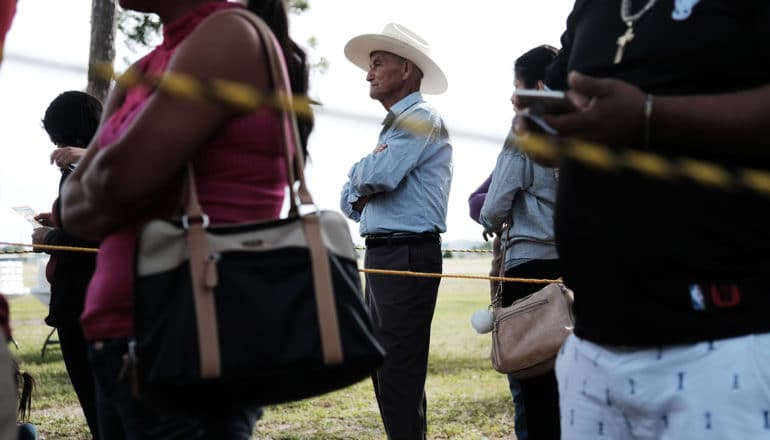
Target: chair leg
(48, 341)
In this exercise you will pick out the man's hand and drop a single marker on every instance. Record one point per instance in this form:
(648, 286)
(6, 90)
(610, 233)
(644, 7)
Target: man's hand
(359, 204)
(379, 148)
(38, 236)
(66, 156)
(44, 218)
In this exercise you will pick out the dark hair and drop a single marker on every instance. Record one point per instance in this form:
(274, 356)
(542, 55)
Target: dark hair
(530, 67)
(273, 12)
(72, 118)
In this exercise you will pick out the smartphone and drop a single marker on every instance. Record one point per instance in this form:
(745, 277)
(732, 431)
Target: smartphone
(536, 124)
(541, 102)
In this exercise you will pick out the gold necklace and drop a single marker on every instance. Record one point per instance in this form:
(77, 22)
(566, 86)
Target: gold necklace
(629, 20)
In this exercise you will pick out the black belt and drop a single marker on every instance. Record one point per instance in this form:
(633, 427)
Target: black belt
(402, 238)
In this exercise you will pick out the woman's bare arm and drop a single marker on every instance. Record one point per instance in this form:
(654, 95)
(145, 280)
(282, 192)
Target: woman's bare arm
(140, 169)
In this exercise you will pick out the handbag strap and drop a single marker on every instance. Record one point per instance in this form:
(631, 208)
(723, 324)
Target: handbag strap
(202, 265)
(203, 293)
(497, 300)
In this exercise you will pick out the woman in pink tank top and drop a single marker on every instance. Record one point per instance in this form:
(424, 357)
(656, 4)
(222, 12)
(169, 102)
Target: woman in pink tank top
(146, 139)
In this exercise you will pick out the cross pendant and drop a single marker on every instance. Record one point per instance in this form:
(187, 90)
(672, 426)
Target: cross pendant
(622, 41)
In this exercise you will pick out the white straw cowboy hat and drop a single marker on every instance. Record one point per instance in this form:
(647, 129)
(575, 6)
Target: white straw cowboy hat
(399, 40)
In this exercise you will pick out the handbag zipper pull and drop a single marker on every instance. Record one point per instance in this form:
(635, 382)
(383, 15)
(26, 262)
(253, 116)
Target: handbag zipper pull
(211, 279)
(123, 368)
(128, 369)
(133, 367)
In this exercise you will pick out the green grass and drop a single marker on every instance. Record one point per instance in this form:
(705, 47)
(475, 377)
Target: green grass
(467, 399)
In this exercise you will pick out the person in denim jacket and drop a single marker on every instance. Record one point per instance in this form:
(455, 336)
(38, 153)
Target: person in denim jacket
(522, 195)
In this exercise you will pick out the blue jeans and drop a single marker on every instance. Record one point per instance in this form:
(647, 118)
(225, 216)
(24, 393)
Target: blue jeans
(519, 410)
(121, 416)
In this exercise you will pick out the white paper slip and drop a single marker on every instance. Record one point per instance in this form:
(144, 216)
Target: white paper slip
(28, 214)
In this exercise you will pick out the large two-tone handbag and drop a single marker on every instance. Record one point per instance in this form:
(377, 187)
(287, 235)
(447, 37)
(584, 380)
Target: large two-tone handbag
(250, 314)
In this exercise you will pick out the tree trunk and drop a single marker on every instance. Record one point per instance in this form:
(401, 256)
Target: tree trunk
(102, 53)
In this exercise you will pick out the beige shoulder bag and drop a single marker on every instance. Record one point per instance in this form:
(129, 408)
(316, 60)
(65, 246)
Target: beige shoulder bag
(527, 334)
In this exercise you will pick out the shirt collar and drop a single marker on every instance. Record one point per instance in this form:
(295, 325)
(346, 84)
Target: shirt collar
(402, 105)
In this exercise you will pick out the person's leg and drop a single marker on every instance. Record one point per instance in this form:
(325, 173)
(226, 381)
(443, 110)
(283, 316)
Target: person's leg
(589, 411)
(224, 423)
(539, 394)
(236, 424)
(119, 414)
(704, 391)
(541, 398)
(721, 391)
(105, 380)
(519, 410)
(75, 353)
(402, 309)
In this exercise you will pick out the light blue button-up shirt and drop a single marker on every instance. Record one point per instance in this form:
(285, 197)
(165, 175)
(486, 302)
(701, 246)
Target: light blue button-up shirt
(410, 179)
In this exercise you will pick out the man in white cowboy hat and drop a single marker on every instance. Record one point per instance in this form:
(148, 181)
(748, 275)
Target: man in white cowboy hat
(399, 195)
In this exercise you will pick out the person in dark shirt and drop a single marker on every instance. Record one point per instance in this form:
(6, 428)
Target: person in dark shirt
(671, 297)
(71, 121)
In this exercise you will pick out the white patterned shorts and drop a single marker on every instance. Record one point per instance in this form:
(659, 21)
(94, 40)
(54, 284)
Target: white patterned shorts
(716, 390)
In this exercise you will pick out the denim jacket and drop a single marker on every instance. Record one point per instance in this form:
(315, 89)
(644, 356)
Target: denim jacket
(522, 194)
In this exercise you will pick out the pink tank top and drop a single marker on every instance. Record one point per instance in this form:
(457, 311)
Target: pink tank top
(240, 174)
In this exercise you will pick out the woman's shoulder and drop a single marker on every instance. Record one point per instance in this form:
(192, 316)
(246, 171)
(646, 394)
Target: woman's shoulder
(229, 26)
(224, 46)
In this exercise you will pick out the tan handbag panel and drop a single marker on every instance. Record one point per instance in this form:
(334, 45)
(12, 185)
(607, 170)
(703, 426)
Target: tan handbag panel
(527, 334)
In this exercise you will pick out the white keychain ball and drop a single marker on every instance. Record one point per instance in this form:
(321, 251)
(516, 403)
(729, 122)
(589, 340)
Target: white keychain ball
(482, 321)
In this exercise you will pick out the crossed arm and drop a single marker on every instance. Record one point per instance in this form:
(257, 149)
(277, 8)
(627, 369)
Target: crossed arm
(382, 170)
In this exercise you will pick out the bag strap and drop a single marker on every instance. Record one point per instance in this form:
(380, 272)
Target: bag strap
(195, 221)
(331, 342)
(202, 265)
(497, 300)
